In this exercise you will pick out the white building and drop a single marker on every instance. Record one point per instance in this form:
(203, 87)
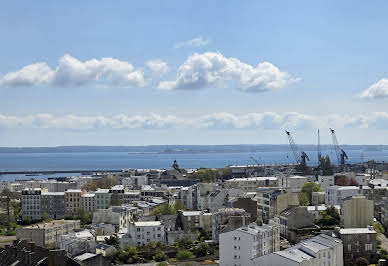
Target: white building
(295, 183)
(5, 185)
(325, 181)
(251, 183)
(75, 243)
(240, 246)
(320, 250)
(141, 233)
(87, 202)
(335, 195)
(117, 215)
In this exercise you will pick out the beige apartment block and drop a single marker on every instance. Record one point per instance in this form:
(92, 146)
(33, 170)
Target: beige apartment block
(46, 233)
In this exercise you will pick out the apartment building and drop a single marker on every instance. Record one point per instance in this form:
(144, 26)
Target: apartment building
(119, 216)
(251, 184)
(31, 203)
(358, 242)
(141, 233)
(295, 183)
(240, 246)
(73, 200)
(117, 195)
(335, 195)
(320, 250)
(54, 204)
(357, 212)
(87, 202)
(46, 233)
(271, 201)
(102, 199)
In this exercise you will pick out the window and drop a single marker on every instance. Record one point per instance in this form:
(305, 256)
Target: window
(368, 247)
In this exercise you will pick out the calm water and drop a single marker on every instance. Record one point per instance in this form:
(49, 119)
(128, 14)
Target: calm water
(120, 160)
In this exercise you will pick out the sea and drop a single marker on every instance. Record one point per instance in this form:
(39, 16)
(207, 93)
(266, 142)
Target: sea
(73, 161)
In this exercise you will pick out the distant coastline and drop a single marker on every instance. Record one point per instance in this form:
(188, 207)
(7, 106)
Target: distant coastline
(165, 149)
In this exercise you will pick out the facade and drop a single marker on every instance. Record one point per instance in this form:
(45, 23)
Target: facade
(53, 203)
(30, 201)
(271, 201)
(357, 212)
(318, 198)
(335, 195)
(358, 242)
(87, 202)
(117, 195)
(46, 233)
(187, 196)
(326, 181)
(102, 199)
(76, 243)
(228, 219)
(251, 184)
(73, 200)
(320, 250)
(119, 216)
(295, 183)
(247, 203)
(190, 220)
(293, 219)
(131, 196)
(240, 246)
(141, 233)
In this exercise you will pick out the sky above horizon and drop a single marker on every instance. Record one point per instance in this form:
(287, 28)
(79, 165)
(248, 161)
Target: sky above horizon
(199, 72)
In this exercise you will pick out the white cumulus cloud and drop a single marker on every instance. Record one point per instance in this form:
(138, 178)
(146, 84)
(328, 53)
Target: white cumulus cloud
(376, 90)
(210, 69)
(72, 72)
(196, 42)
(214, 121)
(157, 66)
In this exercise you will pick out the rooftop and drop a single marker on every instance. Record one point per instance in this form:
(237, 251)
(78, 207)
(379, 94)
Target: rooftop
(351, 231)
(74, 190)
(258, 178)
(148, 223)
(191, 213)
(85, 256)
(53, 223)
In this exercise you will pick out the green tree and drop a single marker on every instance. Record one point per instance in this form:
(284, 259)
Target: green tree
(378, 228)
(45, 217)
(303, 199)
(205, 175)
(167, 209)
(202, 249)
(184, 255)
(325, 165)
(113, 240)
(308, 189)
(330, 217)
(160, 256)
(361, 261)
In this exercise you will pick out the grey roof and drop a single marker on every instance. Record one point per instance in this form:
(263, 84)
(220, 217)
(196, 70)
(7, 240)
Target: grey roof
(85, 256)
(103, 246)
(294, 254)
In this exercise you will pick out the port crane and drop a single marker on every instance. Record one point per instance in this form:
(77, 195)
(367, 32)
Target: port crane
(300, 156)
(341, 154)
(253, 159)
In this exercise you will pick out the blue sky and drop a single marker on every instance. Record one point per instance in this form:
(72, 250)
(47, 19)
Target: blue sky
(200, 72)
